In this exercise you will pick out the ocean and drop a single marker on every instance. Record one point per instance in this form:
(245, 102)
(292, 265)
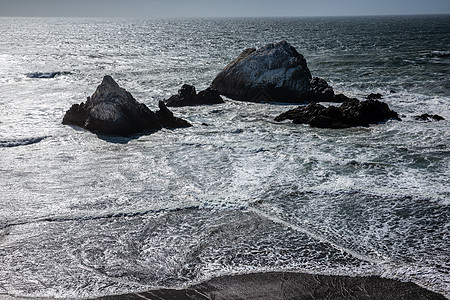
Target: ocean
(83, 216)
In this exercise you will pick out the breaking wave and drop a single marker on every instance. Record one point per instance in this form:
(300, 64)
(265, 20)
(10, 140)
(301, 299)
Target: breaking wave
(20, 142)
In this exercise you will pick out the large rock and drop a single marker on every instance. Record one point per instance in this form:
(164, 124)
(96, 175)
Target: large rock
(111, 110)
(187, 96)
(275, 72)
(349, 114)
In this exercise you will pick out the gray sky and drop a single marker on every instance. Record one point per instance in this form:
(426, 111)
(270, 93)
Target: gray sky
(221, 8)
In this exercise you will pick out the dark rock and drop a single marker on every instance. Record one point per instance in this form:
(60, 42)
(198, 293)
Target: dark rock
(373, 96)
(320, 86)
(168, 120)
(349, 114)
(209, 96)
(275, 72)
(45, 75)
(427, 117)
(441, 54)
(20, 142)
(321, 91)
(437, 118)
(187, 96)
(111, 110)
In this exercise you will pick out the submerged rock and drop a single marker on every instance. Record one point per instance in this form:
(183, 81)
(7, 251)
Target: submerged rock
(111, 110)
(373, 96)
(187, 96)
(275, 72)
(20, 142)
(45, 74)
(351, 113)
(427, 117)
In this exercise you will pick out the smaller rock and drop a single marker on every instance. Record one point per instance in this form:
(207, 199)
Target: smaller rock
(437, 118)
(427, 117)
(168, 120)
(187, 96)
(209, 96)
(351, 113)
(373, 96)
(45, 75)
(321, 91)
(319, 85)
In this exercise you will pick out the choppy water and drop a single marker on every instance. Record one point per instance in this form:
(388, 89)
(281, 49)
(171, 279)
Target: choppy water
(82, 216)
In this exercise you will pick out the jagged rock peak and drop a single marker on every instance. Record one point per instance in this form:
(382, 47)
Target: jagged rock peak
(111, 110)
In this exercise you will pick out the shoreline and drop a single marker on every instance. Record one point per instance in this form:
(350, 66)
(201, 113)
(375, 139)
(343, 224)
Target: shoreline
(289, 285)
(280, 285)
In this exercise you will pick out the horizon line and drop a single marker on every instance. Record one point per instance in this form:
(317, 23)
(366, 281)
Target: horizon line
(232, 17)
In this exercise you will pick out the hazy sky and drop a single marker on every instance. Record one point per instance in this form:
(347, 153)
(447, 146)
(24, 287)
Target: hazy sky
(222, 8)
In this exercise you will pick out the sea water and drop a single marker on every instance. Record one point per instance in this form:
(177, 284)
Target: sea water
(86, 216)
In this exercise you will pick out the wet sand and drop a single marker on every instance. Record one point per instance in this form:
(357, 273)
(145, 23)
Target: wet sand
(280, 285)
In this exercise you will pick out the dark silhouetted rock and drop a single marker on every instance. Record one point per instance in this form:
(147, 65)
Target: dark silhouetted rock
(209, 96)
(187, 96)
(373, 96)
(168, 120)
(427, 117)
(276, 72)
(111, 110)
(45, 75)
(349, 114)
(321, 91)
(320, 87)
(441, 54)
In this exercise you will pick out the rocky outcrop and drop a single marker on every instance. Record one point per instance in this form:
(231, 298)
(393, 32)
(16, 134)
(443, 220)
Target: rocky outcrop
(168, 120)
(374, 96)
(321, 91)
(320, 86)
(187, 96)
(45, 74)
(428, 117)
(275, 72)
(111, 110)
(351, 113)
